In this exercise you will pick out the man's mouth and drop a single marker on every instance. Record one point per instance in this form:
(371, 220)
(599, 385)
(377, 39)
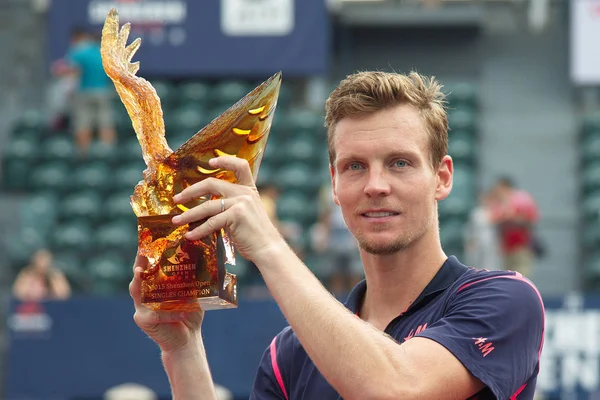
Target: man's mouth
(379, 214)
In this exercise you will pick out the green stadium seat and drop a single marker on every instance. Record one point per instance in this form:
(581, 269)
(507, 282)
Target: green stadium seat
(463, 95)
(22, 244)
(227, 93)
(129, 151)
(85, 205)
(452, 233)
(591, 275)
(194, 93)
(591, 124)
(298, 176)
(50, 177)
(117, 208)
(188, 120)
(94, 176)
(590, 207)
(167, 93)
(40, 211)
(464, 182)
(129, 175)
(591, 236)
(118, 236)
(109, 273)
(71, 264)
(304, 148)
(591, 177)
(462, 147)
(103, 153)
(303, 121)
(30, 120)
(462, 119)
(72, 236)
(297, 206)
(19, 157)
(58, 149)
(590, 149)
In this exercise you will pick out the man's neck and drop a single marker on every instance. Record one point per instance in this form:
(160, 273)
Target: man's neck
(395, 281)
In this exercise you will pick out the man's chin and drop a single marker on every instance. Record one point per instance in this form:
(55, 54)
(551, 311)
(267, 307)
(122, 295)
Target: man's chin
(382, 249)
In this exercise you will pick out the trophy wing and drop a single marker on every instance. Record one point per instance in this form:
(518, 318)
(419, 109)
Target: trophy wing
(241, 131)
(137, 94)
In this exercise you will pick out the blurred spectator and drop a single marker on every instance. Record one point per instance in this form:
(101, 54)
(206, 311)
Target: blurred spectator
(91, 101)
(60, 94)
(515, 214)
(292, 232)
(481, 238)
(40, 280)
(337, 247)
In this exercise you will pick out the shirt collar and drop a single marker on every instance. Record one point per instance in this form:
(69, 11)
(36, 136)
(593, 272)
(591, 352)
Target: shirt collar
(450, 271)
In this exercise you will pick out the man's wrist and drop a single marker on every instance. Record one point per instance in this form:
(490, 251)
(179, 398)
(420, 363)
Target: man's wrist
(277, 249)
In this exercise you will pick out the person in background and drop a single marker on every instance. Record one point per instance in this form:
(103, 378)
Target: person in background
(515, 213)
(40, 280)
(481, 238)
(92, 97)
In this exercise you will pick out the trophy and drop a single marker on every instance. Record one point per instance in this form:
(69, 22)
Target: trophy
(183, 275)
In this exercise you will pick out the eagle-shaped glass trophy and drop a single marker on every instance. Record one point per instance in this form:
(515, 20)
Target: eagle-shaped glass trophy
(183, 275)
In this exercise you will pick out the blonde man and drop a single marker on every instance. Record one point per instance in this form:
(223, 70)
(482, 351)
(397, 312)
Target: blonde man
(422, 325)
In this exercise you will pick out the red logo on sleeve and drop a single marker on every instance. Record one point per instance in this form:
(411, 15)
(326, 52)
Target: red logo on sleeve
(483, 345)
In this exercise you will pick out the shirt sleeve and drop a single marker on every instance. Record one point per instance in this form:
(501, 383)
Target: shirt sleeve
(495, 327)
(269, 380)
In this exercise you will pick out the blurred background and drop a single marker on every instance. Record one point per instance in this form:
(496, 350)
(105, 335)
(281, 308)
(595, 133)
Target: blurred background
(522, 81)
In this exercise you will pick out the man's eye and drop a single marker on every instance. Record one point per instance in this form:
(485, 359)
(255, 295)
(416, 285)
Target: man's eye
(401, 163)
(354, 166)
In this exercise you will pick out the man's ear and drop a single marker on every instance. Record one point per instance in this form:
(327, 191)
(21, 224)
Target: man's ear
(333, 186)
(445, 172)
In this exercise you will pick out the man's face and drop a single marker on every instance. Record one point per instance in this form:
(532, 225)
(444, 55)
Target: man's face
(383, 180)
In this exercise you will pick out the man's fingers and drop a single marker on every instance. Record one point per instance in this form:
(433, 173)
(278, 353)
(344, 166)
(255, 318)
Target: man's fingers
(238, 166)
(208, 186)
(202, 211)
(135, 286)
(211, 225)
(145, 318)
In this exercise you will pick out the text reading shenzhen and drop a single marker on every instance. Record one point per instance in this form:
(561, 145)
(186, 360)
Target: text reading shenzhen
(182, 274)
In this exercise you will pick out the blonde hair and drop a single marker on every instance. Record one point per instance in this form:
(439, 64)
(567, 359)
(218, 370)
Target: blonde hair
(367, 92)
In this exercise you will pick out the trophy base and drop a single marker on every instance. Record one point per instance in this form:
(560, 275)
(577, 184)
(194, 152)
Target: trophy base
(191, 305)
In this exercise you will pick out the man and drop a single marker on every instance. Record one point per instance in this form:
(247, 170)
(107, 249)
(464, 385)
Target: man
(91, 106)
(514, 213)
(422, 325)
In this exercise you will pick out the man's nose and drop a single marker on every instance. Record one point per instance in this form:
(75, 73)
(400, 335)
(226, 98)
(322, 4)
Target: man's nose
(377, 184)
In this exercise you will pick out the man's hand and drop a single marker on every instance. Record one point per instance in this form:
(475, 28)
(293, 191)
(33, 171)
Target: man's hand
(239, 210)
(172, 331)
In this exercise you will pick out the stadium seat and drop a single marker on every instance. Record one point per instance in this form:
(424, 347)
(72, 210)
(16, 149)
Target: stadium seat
(462, 95)
(118, 208)
(195, 93)
(452, 233)
(304, 148)
(188, 120)
(49, 177)
(296, 206)
(462, 147)
(21, 244)
(74, 236)
(40, 211)
(591, 236)
(303, 121)
(591, 177)
(462, 119)
(227, 93)
(128, 175)
(590, 148)
(118, 236)
(298, 176)
(109, 273)
(85, 205)
(103, 153)
(591, 275)
(129, 151)
(94, 176)
(590, 124)
(70, 263)
(58, 149)
(166, 92)
(591, 206)
(19, 157)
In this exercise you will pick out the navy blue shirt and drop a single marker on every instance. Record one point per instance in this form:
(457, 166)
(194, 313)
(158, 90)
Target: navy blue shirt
(492, 321)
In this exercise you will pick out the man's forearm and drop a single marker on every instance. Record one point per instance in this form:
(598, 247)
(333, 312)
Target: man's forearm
(357, 359)
(189, 373)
